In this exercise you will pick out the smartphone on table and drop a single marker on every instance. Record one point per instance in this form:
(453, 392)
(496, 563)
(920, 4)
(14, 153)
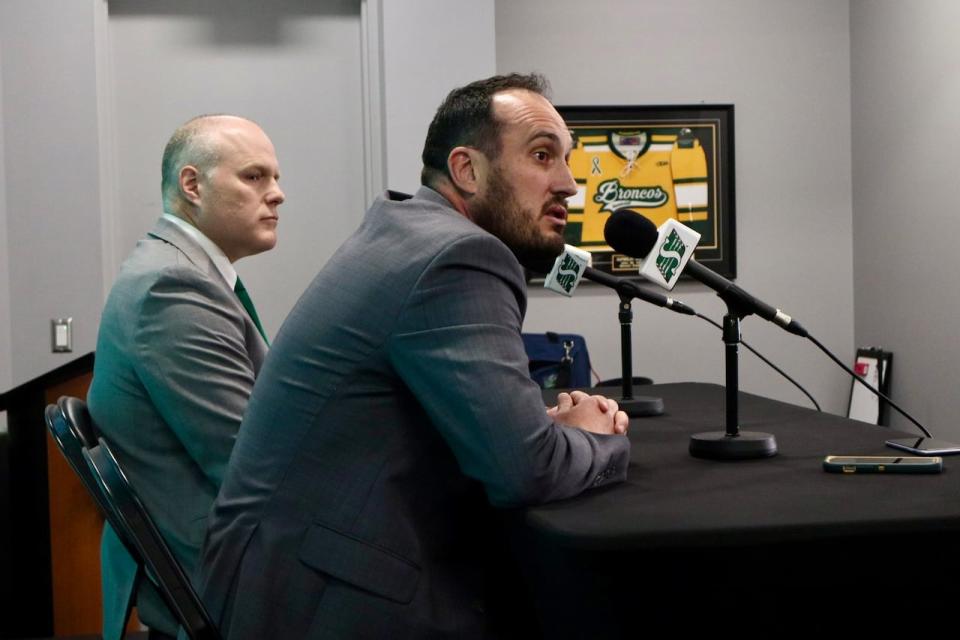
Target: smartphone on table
(883, 464)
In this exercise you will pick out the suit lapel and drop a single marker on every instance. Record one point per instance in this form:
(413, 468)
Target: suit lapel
(172, 234)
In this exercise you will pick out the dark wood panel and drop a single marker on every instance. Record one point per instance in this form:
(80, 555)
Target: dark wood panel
(75, 526)
(49, 526)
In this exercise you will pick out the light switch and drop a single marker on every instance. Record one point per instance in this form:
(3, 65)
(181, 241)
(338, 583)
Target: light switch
(62, 334)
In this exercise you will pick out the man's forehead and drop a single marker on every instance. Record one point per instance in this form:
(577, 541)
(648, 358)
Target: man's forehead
(236, 131)
(531, 113)
(240, 137)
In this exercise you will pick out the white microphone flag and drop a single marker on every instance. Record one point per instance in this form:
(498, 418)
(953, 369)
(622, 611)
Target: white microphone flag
(673, 249)
(568, 270)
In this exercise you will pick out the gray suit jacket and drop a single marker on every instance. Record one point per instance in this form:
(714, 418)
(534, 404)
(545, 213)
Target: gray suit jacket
(176, 359)
(395, 396)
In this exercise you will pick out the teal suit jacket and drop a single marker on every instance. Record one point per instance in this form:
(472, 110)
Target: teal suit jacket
(175, 364)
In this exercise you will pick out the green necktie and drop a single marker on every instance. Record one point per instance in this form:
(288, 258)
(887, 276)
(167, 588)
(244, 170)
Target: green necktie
(247, 303)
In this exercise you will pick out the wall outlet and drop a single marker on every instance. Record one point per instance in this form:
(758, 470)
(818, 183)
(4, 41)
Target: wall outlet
(61, 334)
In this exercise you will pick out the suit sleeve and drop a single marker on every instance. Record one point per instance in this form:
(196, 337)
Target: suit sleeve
(458, 348)
(193, 360)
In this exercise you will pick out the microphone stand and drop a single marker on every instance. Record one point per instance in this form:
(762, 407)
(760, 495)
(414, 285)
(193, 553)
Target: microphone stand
(732, 444)
(639, 406)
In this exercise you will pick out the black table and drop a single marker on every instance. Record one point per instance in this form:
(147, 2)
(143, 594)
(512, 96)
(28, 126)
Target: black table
(774, 544)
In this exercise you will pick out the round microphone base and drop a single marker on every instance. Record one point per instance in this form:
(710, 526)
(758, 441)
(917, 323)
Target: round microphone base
(640, 406)
(717, 445)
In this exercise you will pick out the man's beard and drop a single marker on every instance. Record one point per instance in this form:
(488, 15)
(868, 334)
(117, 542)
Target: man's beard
(502, 215)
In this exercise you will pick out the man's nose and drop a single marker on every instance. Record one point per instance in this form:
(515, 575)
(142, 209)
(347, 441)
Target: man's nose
(566, 185)
(276, 195)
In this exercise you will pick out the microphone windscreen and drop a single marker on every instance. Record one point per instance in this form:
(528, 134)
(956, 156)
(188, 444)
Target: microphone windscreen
(629, 233)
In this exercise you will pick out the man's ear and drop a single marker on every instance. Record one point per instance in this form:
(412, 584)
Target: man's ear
(467, 169)
(190, 184)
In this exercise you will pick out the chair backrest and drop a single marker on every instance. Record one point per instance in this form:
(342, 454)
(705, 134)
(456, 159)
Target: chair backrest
(76, 413)
(70, 425)
(73, 430)
(130, 516)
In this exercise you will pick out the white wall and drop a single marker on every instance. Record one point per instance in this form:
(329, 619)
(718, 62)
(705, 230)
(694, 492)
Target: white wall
(422, 64)
(906, 88)
(294, 67)
(52, 157)
(91, 90)
(5, 374)
(785, 66)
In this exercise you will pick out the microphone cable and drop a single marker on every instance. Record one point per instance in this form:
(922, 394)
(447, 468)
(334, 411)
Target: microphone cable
(840, 364)
(772, 366)
(868, 385)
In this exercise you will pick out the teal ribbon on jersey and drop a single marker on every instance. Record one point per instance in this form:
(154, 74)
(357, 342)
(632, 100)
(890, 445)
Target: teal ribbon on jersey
(247, 303)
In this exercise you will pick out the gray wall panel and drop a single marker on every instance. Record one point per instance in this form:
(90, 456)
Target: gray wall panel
(422, 63)
(905, 91)
(5, 374)
(93, 89)
(52, 152)
(294, 67)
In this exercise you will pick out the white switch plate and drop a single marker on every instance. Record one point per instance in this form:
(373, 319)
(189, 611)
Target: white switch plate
(61, 334)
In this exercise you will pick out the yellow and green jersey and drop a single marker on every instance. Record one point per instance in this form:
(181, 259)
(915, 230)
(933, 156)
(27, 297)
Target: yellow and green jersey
(659, 174)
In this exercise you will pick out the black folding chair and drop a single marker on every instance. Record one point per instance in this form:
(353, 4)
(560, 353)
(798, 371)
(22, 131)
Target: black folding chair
(129, 515)
(72, 429)
(70, 425)
(90, 457)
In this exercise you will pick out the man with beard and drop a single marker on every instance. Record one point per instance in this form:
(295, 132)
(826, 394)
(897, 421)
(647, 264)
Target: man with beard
(395, 405)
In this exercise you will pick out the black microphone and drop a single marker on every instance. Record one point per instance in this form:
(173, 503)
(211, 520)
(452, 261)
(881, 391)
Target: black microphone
(629, 233)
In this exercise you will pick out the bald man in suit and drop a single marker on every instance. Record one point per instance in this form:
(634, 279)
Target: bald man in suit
(180, 345)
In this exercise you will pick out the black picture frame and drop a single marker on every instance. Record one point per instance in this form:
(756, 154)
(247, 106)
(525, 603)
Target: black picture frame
(683, 167)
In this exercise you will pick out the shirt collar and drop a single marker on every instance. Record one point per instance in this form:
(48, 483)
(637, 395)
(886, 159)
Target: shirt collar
(219, 258)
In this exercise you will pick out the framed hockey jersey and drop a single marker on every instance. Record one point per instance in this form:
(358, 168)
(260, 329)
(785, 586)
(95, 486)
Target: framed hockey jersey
(662, 162)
